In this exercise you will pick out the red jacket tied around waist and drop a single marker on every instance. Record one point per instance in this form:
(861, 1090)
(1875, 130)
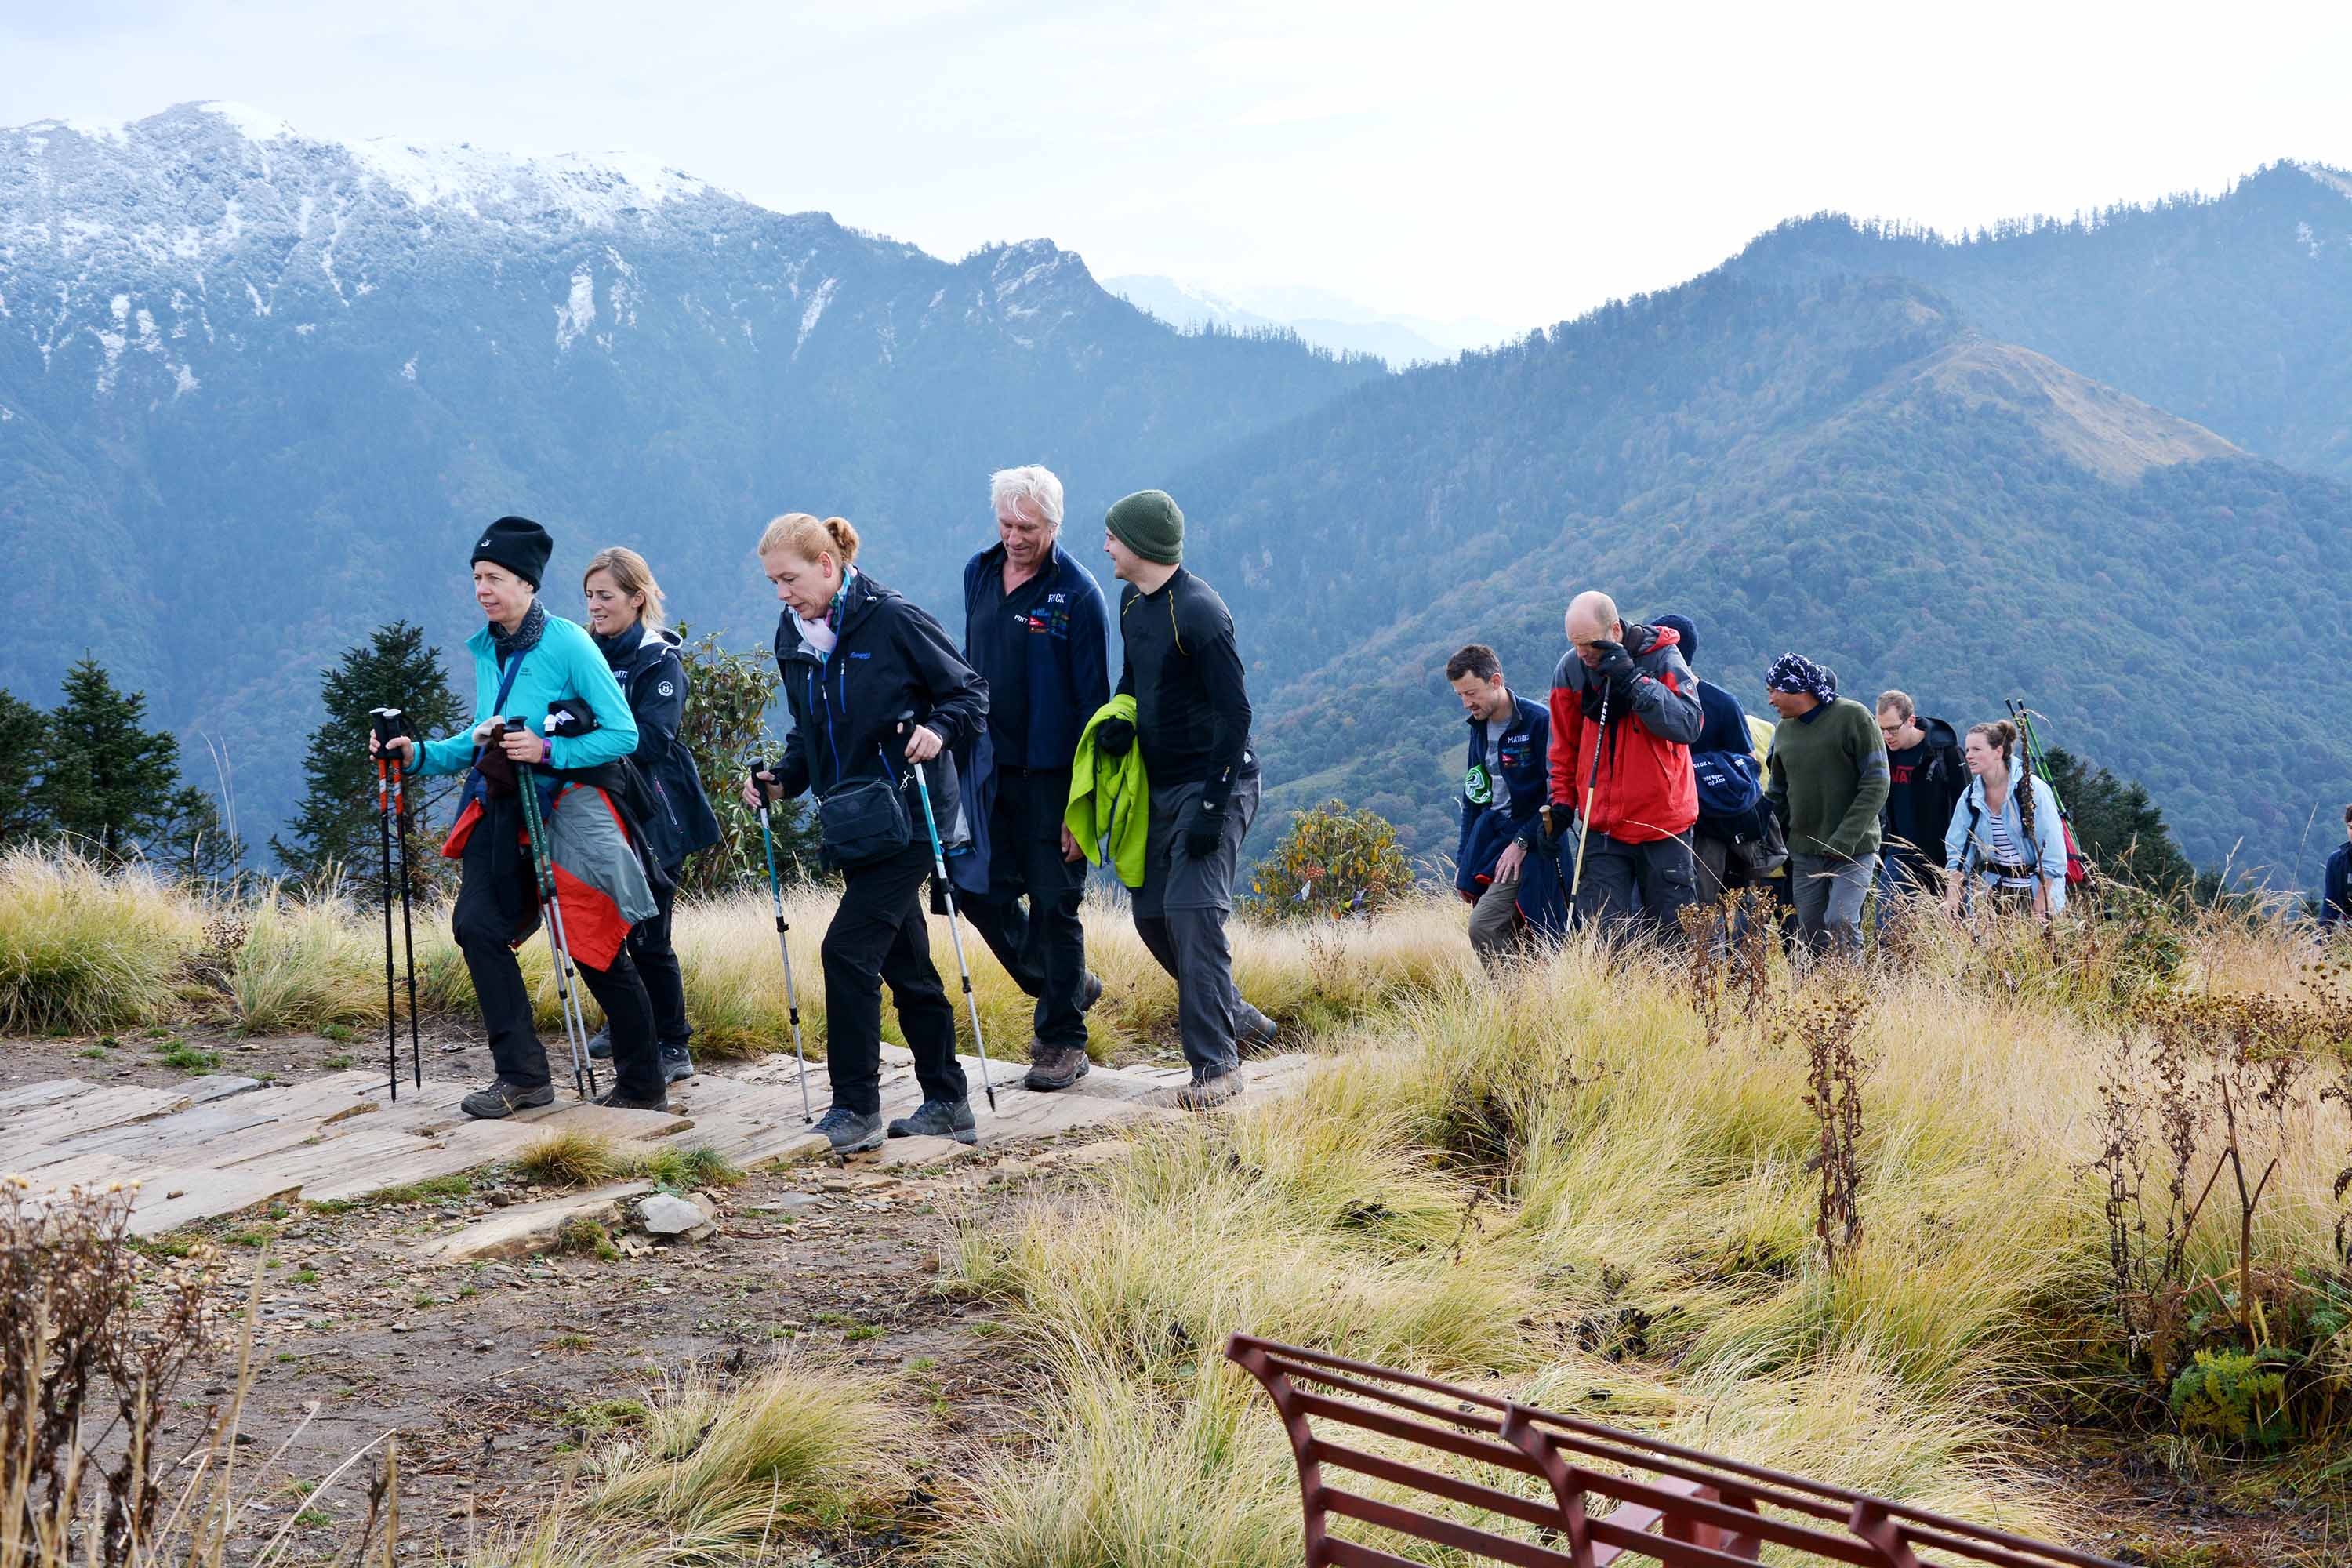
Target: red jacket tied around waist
(1645, 791)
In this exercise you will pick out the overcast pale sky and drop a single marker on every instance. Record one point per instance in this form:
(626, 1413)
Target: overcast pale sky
(1521, 162)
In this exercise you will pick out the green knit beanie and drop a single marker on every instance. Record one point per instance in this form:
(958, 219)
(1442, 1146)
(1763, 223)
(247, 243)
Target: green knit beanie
(1150, 523)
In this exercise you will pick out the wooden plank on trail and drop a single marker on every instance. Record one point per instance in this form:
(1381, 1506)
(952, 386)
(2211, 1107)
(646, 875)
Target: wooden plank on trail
(529, 1227)
(33, 1095)
(611, 1122)
(84, 1113)
(217, 1086)
(169, 1199)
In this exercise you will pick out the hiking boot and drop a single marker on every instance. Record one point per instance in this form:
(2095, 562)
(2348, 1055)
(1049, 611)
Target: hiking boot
(851, 1131)
(1089, 993)
(1211, 1091)
(619, 1098)
(939, 1119)
(601, 1045)
(1253, 1032)
(504, 1098)
(1055, 1067)
(677, 1063)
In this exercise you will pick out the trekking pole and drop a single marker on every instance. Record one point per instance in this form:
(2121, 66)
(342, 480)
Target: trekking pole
(1592, 783)
(394, 720)
(542, 860)
(384, 833)
(776, 899)
(947, 891)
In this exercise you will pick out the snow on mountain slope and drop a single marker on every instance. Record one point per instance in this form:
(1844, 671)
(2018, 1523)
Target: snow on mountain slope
(132, 258)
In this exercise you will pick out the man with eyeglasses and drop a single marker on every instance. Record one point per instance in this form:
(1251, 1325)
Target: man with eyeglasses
(1926, 776)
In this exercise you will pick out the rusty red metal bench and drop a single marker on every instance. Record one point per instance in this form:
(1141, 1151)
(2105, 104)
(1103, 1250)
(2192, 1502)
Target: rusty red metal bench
(1673, 1505)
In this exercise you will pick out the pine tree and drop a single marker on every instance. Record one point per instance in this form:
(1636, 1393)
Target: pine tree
(23, 730)
(336, 825)
(109, 785)
(2120, 829)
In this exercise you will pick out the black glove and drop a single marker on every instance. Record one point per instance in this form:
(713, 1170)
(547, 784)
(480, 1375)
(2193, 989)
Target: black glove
(1113, 736)
(1616, 664)
(1202, 826)
(1557, 820)
(572, 716)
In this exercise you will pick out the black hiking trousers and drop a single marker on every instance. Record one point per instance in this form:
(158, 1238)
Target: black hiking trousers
(488, 938)
(1045, 947)
(879, 933)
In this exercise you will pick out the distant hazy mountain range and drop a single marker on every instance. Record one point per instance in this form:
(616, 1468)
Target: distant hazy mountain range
(257, 392)
(1316, 315)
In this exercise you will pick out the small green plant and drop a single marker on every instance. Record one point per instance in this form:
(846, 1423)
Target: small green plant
(424, 1298)
(336, 1032)
(574, 1342)
(862, 1332)
(606, 1415)
(314, 1518)
(306, 1277)
(336, 1064)
(2234, 1396)
(187, 1057)
(1332, 862)
(96, 1053)
(252, 1236)
(583, 1237)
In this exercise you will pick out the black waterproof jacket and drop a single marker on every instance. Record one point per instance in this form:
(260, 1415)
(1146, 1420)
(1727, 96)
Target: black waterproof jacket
(890, 657)
(678, 820)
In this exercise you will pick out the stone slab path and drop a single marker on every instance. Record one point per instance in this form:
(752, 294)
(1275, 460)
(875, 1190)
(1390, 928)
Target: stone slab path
(222, 1144)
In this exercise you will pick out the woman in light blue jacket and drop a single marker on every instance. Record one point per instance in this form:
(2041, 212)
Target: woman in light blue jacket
(2006, 843)
(527, 663)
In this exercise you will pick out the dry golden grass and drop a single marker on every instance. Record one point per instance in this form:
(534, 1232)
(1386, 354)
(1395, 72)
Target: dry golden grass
(81, 950)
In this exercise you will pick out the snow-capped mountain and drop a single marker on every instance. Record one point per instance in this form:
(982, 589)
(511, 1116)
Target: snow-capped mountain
(258, 389)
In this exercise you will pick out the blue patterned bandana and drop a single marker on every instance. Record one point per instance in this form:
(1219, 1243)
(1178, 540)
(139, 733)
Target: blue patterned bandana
(1795, 672)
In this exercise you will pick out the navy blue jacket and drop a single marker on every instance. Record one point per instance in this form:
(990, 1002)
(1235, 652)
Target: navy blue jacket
(1521, 759)
(1044, 651)
(1723, 723)
(889, 656)
(653, 676)
(2335, 891)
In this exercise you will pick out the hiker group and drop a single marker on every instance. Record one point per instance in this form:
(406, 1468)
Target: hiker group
(1638, 789)
(995, 770)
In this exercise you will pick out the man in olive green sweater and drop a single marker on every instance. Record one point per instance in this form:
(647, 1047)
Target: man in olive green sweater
(1826, 780)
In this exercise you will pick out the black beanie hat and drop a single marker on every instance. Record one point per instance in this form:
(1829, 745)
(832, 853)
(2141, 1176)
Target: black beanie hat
(1689, 633)
(520, 545)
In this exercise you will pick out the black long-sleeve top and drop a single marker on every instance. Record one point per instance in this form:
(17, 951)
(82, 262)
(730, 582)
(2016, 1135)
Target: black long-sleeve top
(1191, 701)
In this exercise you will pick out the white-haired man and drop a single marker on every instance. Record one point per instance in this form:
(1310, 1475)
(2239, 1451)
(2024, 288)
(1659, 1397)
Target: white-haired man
(1036, 629)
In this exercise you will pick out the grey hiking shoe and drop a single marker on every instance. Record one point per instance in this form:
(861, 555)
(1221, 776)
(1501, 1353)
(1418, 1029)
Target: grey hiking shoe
(504, 1098)
(601, 1045)
(1211, 1091)
(1055, 1067)
(1089, 992)
(939, 1119)
(850, 1131)
(677, 1063)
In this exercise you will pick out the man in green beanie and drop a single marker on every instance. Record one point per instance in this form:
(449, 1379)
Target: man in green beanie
(1192, 721)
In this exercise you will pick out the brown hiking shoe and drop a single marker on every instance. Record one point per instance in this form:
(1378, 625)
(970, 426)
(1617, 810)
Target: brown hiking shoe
(1055, 1067)
(1210, 1092)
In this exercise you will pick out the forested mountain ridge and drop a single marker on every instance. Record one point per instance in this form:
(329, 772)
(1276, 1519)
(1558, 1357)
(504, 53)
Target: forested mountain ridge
(1843, 468)
(2233, 311)
(257, 391)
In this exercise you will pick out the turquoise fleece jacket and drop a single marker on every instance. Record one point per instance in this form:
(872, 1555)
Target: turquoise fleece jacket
(566, 663)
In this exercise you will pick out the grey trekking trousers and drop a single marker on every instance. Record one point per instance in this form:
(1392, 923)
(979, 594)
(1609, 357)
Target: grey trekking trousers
(1181, 913)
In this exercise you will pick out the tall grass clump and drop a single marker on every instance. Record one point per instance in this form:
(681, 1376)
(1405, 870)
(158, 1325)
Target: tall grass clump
(725, 1469)
(305, 963)
(83, 949)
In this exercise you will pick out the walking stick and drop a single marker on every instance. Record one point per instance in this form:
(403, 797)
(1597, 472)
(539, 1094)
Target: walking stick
(947, 891)
(776, 899)
(1592, 783)
(542, 860)
(384, 835)
(396, 722)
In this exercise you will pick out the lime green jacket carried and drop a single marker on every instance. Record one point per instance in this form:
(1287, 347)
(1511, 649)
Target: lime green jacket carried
(1110, 798)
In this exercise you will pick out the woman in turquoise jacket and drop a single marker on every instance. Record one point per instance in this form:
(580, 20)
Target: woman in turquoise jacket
(527, 663)
(2006, 841)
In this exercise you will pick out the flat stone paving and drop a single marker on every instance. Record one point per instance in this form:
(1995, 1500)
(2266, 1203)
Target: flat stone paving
(222, 1144)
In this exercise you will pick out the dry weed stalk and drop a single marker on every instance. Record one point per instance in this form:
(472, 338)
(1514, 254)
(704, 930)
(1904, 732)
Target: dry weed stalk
(1828, 1025)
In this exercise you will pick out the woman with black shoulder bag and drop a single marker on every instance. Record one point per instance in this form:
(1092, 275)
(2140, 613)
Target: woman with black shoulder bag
(875, 688)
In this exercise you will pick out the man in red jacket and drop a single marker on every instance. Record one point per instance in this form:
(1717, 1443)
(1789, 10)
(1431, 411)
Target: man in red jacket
(1623, 697)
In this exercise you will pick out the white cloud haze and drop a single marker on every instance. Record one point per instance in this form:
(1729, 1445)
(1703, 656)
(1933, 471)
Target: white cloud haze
(1521, 162)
